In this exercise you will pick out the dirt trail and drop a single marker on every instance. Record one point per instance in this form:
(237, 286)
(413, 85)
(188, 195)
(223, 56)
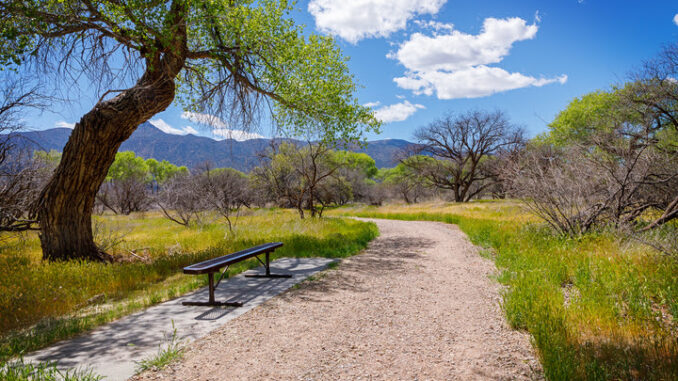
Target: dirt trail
(416, 305)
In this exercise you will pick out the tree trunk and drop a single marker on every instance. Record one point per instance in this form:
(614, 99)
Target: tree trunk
(65, 205)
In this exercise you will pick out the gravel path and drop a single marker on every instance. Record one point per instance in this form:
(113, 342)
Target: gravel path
(416, 305)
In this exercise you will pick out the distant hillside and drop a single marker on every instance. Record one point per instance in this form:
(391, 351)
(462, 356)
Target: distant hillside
(190, 150)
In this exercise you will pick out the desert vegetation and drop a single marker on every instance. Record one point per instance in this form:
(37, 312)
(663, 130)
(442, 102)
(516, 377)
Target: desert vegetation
(581, 220)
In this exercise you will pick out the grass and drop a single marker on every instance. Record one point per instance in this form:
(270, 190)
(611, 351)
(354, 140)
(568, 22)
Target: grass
(597, 308)
(46, 302)
(165, 356)
(20, 371)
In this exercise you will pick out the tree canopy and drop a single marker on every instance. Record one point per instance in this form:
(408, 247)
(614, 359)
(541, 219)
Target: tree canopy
(227, 55)
(228, 59)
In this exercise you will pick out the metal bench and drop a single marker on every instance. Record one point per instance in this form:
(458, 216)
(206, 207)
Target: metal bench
(212, 266)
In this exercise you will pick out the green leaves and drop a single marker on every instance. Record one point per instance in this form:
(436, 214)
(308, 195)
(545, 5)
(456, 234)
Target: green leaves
(128, 166)
(592, 113)
(230, 58)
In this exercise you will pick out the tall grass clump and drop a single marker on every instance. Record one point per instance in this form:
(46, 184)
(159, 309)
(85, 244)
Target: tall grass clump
(597, 308)
(42, 302)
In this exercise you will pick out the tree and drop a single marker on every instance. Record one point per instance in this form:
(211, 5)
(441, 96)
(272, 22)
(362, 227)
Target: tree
(224, 190)
(406, 182)
(609, 158)
(452, 151)
(296, 174)
(277, 176)
(161, 171)
(180, 200)
(653, 94)
(20, 177)
(353, 178)
(559, 185)
(125, 189)
(230, 57)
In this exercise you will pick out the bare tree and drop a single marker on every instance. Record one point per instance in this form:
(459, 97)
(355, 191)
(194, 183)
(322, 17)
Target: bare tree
(653, 94)
(224, 190)
(294, 175)
(20, 176)
(452, 150)
(559, 186)
(124, 196)
(606, 178)
(180, 200)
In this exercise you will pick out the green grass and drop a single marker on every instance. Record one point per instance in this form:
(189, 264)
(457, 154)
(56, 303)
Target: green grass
(20, 371)
(597, 308)
(165, 356)
(46, 302)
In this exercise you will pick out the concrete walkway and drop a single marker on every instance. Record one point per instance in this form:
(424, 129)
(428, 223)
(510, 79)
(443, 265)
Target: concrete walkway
(112, 350)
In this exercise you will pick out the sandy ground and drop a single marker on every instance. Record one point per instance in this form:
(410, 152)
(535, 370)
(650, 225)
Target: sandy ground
(418, 304)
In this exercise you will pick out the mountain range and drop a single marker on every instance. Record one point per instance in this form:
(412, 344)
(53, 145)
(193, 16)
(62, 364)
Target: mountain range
(190, 150)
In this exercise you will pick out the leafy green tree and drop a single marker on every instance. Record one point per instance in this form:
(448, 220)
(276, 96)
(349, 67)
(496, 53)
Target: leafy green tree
(125, 189)
(406, 181)
(228, 58)
(589, 115)
(161, 171)
(357, 161)
(352, 179)
(127, 166)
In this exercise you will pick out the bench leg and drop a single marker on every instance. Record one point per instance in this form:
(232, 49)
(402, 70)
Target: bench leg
(268, 274)
(211, 301)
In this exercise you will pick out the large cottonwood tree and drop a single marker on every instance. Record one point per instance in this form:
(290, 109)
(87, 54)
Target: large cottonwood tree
(229, 58)
(452, 151)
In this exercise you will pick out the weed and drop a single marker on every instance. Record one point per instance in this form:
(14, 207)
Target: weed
(165, 356)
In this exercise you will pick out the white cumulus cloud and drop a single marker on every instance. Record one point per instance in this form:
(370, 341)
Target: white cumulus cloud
(354, 20)
(675, 19)
(64, 124)
(473, 82)
(455, 64)
(219, 127)
(396, 112)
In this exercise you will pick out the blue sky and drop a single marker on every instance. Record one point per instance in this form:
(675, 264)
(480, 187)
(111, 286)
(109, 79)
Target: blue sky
(419, 59)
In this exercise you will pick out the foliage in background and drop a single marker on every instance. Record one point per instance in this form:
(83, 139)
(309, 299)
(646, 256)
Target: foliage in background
(453, 151)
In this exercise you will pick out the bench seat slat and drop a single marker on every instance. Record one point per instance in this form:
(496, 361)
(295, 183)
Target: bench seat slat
(214, 264)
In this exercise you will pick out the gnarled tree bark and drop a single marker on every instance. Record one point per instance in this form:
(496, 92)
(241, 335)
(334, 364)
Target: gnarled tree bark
(65, 206)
